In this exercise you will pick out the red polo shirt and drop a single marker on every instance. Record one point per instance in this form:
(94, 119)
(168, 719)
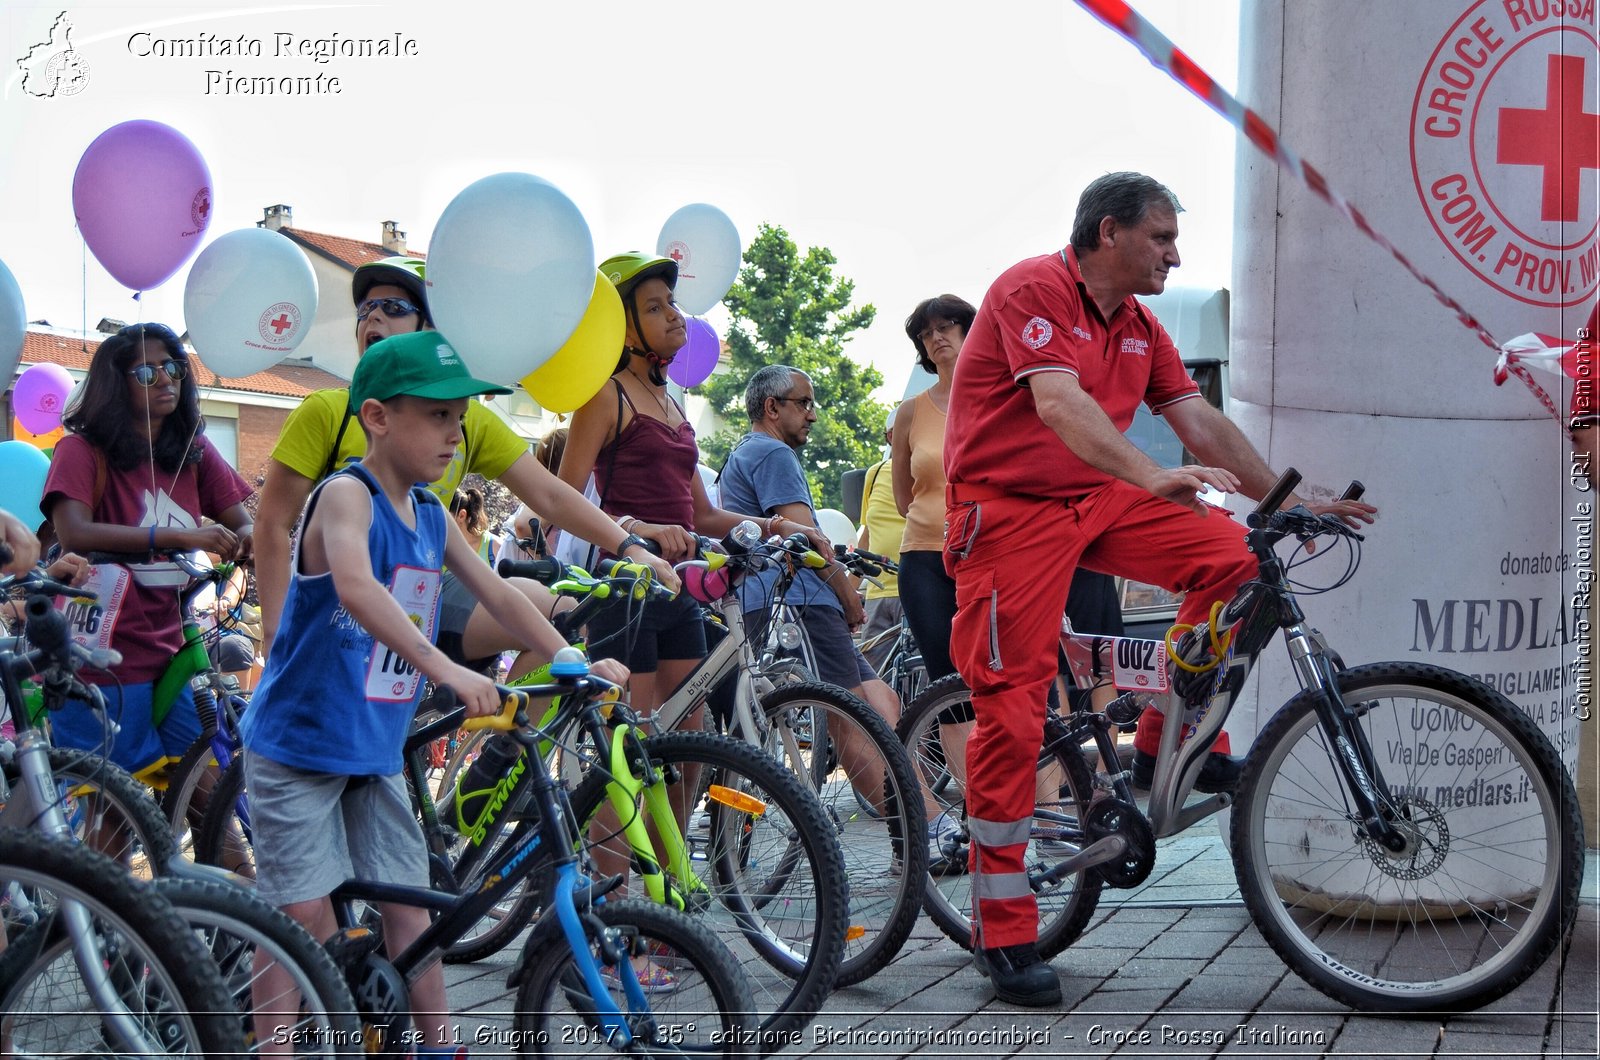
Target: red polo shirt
(1038, 317)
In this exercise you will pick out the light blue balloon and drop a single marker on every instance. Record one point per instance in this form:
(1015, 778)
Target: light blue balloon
(22, 472)
(13, 325)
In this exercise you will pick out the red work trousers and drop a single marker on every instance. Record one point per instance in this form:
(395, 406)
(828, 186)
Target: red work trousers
(1012, 558)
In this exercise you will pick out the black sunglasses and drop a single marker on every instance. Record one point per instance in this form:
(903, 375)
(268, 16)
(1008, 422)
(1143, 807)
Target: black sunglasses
(145, 374)
(392, 307)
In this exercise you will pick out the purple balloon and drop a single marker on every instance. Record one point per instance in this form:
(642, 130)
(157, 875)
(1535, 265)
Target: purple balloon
(698, 357)
(40, 397)
(142, 196)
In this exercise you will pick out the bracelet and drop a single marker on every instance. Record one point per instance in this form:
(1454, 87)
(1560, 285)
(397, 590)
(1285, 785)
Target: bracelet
(772, 524)
(152, 538)
(626, 523)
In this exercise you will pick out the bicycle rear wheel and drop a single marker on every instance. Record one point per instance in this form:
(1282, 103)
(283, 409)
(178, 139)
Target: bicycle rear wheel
(841, 747)
(771, 880)
(171, 995)
(699, 1004)
(1063, 788)
(1488, 884)
(254, 946)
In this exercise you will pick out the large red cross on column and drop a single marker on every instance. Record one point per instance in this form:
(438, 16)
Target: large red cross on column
(1563, 138)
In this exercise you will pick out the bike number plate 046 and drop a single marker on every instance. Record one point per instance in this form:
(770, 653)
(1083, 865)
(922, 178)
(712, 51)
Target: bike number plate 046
(1139, 665)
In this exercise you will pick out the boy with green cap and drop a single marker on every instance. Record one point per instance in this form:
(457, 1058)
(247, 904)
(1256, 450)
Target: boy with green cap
(324, 733)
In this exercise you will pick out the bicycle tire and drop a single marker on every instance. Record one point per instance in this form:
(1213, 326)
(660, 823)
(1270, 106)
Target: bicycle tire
(789, 959)
(220, 827)
(886, 857)
(236, 926)
(103, 801)
(707, 1013)
(1492, 889)
(177, 995)
(1066, 908)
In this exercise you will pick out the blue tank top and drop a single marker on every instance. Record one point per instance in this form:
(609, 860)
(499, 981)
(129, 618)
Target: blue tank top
(333, 699)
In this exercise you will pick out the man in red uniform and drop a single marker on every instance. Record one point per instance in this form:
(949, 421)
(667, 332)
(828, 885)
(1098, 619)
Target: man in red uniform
(1042, 479)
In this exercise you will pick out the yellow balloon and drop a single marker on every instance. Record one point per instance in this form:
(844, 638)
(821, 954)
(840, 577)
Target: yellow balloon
(577, 371)
(44, 441)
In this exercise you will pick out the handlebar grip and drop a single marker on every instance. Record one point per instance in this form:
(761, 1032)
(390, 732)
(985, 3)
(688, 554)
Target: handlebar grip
(814, 559)
(47, 627)
(511, 706)
(872, 557)
(1353, 491)
(543, 571)
(1280, 490)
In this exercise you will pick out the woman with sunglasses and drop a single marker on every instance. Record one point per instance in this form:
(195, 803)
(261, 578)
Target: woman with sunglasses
(322, 435)
(136, 474)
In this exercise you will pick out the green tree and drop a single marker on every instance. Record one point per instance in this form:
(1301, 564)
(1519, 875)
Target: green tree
(792, 309)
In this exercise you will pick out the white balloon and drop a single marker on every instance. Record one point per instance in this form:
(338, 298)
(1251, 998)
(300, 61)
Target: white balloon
(510, 274)
(250, 298)
(13, 325)
(836, 526)
(704, 243)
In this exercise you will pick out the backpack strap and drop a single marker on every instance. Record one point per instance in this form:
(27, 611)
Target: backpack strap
(338, 439)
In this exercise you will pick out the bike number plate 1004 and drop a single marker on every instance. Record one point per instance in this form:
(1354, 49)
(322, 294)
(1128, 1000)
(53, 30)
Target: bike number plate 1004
(1139, 665)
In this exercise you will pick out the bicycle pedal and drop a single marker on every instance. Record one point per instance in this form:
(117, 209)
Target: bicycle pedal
(350, 946)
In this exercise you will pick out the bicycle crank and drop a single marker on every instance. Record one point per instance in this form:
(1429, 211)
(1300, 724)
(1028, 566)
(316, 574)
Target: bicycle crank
(1113, 817)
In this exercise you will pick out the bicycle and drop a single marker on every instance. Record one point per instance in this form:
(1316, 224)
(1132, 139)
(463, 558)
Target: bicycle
(830, 739)
(759, 861)
(94, 959)
(902, 668)
(580, 954)
(1389, 875)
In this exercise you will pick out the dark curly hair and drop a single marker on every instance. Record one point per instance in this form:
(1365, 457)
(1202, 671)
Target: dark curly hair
(102, 415)
(949, 307)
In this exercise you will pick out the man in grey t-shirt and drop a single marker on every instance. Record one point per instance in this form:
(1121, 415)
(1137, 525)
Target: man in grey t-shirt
(763, 477)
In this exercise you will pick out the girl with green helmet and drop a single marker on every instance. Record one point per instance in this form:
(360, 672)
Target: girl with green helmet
(636, 441)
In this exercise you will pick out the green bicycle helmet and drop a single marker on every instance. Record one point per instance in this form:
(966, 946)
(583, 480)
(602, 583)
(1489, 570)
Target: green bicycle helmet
(626, 272)
(409, 273)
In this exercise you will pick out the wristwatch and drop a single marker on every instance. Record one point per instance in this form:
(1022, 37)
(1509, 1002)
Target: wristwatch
(631, 540)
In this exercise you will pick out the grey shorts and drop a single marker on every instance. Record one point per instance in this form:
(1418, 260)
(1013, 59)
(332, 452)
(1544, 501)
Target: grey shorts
(313, 831)
(828, 652)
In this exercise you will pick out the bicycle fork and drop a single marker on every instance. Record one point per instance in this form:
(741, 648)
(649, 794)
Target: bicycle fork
(632, 774)
(1353, 754)
(37, 806)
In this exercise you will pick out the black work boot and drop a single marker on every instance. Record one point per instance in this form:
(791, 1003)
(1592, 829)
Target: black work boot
(1019, 976)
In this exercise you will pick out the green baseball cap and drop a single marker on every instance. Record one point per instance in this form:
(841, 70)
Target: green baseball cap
(419, 364)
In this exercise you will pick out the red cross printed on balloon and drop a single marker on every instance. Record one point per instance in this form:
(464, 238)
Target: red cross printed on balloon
(676, 255)
(1563, 138)
(281, 324)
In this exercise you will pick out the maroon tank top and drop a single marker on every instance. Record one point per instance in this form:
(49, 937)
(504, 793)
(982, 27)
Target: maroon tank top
(647, 470)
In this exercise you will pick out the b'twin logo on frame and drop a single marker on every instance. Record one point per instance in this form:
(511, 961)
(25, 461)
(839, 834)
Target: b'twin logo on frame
(1505, 132)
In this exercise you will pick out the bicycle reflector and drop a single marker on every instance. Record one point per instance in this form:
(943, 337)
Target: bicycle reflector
(736, 800)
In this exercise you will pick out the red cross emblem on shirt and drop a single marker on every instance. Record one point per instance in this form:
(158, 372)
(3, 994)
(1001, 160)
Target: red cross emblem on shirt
(1562, 138)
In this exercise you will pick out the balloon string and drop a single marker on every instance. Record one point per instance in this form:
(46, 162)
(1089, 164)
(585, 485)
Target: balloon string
(1168, 57)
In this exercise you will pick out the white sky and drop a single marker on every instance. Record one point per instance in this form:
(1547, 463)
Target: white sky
(930, 144)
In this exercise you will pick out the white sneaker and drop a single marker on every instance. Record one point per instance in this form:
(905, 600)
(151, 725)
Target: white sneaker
(947, 848)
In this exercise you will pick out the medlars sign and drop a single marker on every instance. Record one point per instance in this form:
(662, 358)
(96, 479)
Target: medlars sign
(1503, 129)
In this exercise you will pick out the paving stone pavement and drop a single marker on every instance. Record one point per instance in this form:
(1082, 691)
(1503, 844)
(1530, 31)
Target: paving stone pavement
(1171, 969)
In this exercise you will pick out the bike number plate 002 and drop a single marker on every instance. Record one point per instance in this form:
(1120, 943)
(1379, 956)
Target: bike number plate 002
(1139, 665)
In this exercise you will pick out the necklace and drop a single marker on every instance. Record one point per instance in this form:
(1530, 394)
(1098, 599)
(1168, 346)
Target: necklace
(666, 410)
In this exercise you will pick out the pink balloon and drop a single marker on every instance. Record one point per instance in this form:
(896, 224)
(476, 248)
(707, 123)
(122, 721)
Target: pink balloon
(698, 357)
(142, 196)
(40, 396)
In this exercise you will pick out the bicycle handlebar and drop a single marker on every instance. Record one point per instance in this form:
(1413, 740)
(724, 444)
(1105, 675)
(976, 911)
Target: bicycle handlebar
(1278, 493)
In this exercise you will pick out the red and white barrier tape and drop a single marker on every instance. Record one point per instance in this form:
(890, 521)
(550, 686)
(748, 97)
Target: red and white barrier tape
(1165, 55)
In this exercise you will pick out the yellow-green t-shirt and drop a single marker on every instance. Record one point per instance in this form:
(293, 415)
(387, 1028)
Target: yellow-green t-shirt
(884, 524)
(489, 446)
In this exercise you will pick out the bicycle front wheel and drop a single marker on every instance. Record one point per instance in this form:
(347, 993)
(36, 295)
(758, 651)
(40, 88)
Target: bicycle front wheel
(110, 812)
(699, 1004)
(934, 729)
(841, 746)
(770, 878)
(167, 997)
(1487, 884)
